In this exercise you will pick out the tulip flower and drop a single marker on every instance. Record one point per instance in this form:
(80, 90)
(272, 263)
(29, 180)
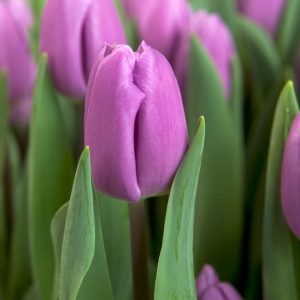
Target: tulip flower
(209, 287)
(72, 33)
(159, 23)
(134, 122)
(216, 39)
(290, 178)
(16, 60)
(265, 13)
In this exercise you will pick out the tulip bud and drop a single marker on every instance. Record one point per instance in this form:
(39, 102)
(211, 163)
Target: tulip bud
(134, 122)
(16, 60)
(290, 178)
(216, 39)
(209, 287)
(265, 13)
(159, 23)
(72, 33)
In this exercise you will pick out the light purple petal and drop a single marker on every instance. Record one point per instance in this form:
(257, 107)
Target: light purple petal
(290, 178)
(61, 38)
(221, 291)
(15, 56)
(102, 25)
(21, 12)
(205, 279)
(161, 134)
(265, 13)
(216, 39)
(109, 124)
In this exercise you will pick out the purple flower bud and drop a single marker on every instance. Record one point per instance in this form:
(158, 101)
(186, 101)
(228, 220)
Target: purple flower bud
(16, 59)
(159, 23)
(216, 39)
(209, 287)
(265, 13)
(72, 33)
(134, 122)
(290, 178)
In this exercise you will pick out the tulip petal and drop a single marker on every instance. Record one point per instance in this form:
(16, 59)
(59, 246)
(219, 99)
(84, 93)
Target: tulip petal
(15, 57)
(206, 278)
(222, 291)
(290, 174)
(61, 34)
(102, 24)
(161, 135)
(110, 121)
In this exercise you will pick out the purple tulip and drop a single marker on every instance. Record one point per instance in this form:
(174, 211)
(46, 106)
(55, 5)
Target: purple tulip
(16, 60)
(159, 23)
(216, 39)
(209, 287)
(265, 13)
(134, 122)
(72, 33)
(290, 178)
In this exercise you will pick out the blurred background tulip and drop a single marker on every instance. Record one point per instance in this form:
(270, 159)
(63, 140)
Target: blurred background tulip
(209, 286)
(266, 13)
(159, 23)
(290, 178)
(215, 37)
(72, 33)
(15, 57)
(134, 122)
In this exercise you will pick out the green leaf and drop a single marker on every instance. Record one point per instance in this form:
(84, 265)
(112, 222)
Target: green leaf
(50, 177)
(219, 210)
(92, 280)
(116, 233)
(258, 53)
(19, 268)
(288, 38)
(278, 276)
(78, 246)
(4, 109)
(3, 117)
(175, 273)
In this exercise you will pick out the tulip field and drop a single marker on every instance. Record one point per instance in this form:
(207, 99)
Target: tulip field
(149, 149)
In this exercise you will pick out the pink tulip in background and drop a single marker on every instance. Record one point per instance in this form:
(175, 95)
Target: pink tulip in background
(134, 122)
(209, 286)
(15, 57)
(266, 13)
(72, 33)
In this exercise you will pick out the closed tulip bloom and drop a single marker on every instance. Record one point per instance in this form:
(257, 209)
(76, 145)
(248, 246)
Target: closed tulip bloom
(209, 286)
(216, 39)
(265, 13)
(159, 23)
(290, 178)
(16, 60)
(134, 122)
(72, 33)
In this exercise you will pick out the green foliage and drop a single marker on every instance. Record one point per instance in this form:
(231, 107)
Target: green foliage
(50, 177)
(175, 277)
(278, 272)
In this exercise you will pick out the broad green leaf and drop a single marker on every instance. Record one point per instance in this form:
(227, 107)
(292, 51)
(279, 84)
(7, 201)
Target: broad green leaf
(278, 276)
(78, 245)
(116, 233)
(175, 277)
(258, 53)
(19, 268)
(288, 38)
(219, 210)
(93, 280)
(50, 177)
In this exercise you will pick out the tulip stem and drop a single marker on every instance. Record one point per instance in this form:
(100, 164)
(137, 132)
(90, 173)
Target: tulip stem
(296, 256)
(139, 250)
